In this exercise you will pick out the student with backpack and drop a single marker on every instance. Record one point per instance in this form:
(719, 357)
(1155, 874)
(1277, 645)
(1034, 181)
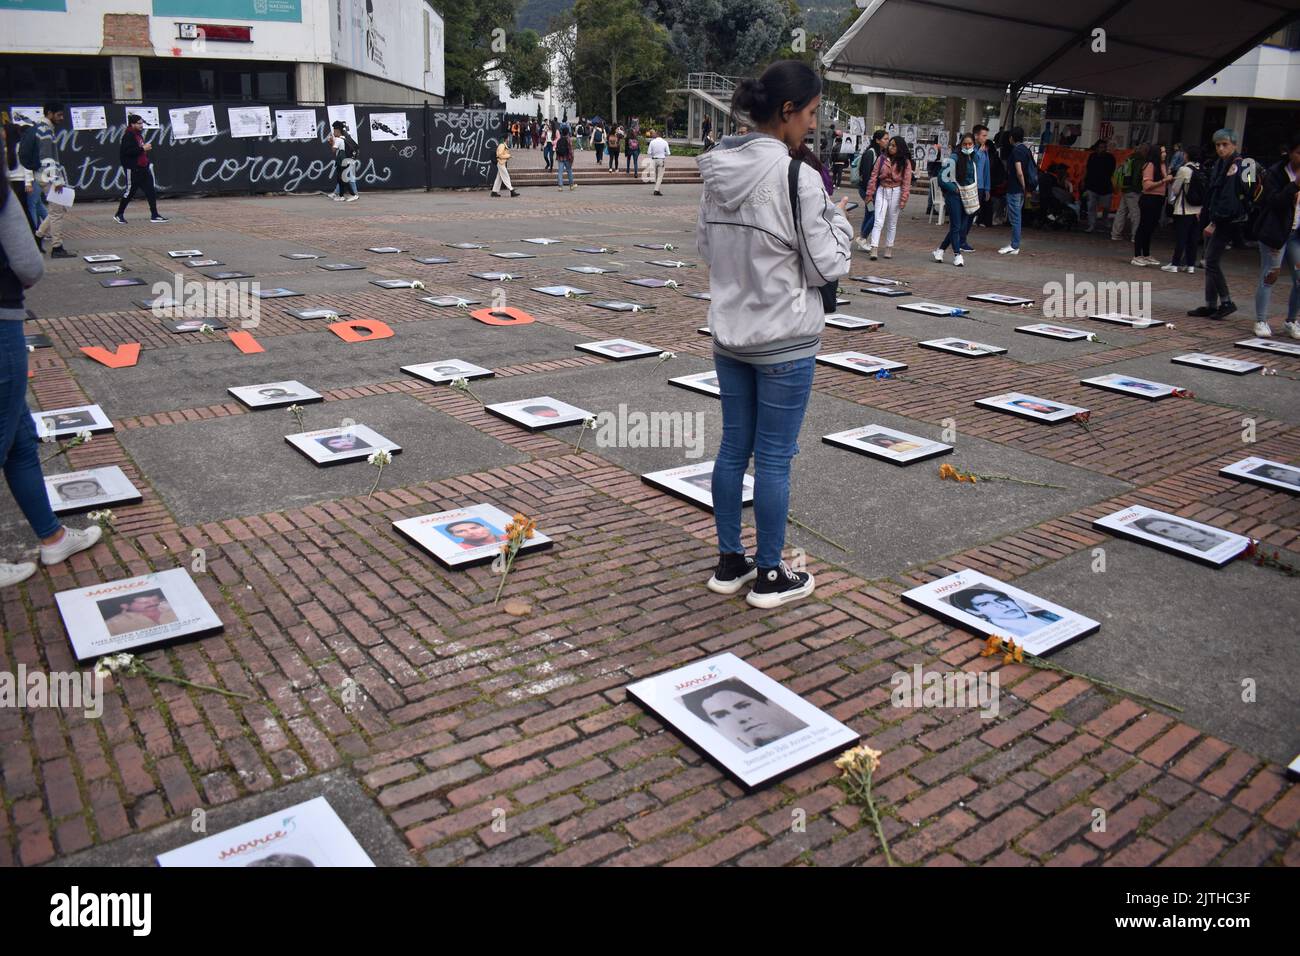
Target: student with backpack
(598, 143)
(1278, 232)
(138, 164)
(1127, 181)
(866, 164)
(39, 152)
(1186, 196)
(346, 162)
(764, 240)
(1022, 178)
(957, 181)
(632, 157)
(615, 142)
(1232, 192)
(564, 159)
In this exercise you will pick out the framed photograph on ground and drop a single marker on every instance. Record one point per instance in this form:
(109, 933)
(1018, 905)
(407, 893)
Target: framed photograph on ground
(694, 483)
(203, 263)
(384, 250)
(464, 537)
(337, 446)
(746, 724)
(105, 270)
(842, 301)
(888, 291)
(1030, 406)
(705, 330)
(448, 370)
(706, 296)
(589, 270)
(1131, 385)
(660, 246)
(275, 394)
(496, 276)
(887, 444)
(1123, 318)
(227, 276)
(450, 301)
(305, 834)
(594, 250)
(618, 305)
(1181, 536)
(877, 280)
(194, 325)
(839, 320)
(135, 613)
(1270, 345)
(394, 283)
(963, 347)
(705, 382)
(432, 260)
(38, 340)
(1262, 471)
(670, 263)
(185, 253)
(64, 422)
(649, 283)
(1217, 363)
(561, 291)
(1062, 332)
(513, 255)
(102, 257)
(339, 266)
(307, 314)
(76, 491)
(860, 362)
(158, 302)
(990, 607)
(464, 245)
(122, 283)
(541, 241)
(620, 350)
(276, 293)
(997, 298)
(933, 308)
(300, 255)
(539, 414)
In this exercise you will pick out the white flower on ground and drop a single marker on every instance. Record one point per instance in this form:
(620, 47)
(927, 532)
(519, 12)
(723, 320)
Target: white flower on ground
(113, 664)
(380, 458)
(84, 436)
(417, 284)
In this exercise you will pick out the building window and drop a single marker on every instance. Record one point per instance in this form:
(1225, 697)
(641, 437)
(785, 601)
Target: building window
(217, 81)
(34, 80)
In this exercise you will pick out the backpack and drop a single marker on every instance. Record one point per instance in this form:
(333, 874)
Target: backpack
(633, 143)
(1197, 189)
(1250, 191)
(29, 149)
(562, 148)
(1030, 167)
(830, 291)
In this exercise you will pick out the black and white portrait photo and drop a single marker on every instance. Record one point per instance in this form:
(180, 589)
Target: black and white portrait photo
(1181, 536)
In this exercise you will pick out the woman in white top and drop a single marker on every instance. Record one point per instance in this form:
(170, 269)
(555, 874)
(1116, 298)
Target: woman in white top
(1186, 215)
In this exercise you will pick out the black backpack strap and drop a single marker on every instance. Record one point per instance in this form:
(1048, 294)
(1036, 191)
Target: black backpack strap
(793, 176)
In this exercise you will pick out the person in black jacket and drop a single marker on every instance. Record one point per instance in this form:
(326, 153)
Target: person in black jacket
(1279, 240)
(1222, 216)
(1097, 186)
(138, 164)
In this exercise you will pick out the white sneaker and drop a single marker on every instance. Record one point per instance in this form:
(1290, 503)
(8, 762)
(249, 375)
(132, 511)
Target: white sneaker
(1292, 329)
(1151, 260)
(71, 542)
(1169, 268)
(1008, 251)
(861, 245)
(352, 198)
(957, 260)
(1137, 261)
(15, 573)
(1262, 330)
(1190, 270)
(938, 255)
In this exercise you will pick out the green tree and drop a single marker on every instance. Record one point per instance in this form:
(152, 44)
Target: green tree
(526, 64)
(474, 33)
(732, 37)
(620, 49)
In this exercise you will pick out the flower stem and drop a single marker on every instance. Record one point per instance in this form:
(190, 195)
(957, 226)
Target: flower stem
(180, 680)
(799, 524)
(376, 484)
(875, 819)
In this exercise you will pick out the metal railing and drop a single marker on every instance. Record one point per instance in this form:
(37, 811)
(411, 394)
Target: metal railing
(711, 82)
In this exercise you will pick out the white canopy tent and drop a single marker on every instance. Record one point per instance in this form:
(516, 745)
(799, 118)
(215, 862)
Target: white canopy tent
(980, 48)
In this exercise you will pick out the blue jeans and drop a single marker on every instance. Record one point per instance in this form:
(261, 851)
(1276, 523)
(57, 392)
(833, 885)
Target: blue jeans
(36, 208)
(632, 161)
(563, 166)
(762, 411)
(1285, 260)
(19, 448)
(958, 222)
(1015, 204)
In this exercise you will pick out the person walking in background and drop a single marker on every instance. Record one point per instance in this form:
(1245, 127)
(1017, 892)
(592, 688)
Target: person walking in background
(890, 185)
(598, 141)
(632, 150)
(1155, 187)
(580, 133)
(503, 174)
(766, 228)
(21, 268)
(549, 137)
(1186, 195)
(564, 158)
(838, 159)
(138, 165)
(866, 166)
(20, 177)
(1098, 187)
(1279, 240)
(658, 153)
(615, 143)
(957, 181)
(1224, 211)
(1128, 183)
(983, 187)
(1022, 179)
(706, 132)
(43, 159)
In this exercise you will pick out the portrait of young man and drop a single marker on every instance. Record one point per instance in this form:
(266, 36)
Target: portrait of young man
(741, 714)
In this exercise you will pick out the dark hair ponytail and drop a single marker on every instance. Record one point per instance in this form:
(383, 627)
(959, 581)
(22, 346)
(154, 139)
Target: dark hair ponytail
(785, 81)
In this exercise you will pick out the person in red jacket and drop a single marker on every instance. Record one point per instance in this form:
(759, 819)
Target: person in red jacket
(138, 165)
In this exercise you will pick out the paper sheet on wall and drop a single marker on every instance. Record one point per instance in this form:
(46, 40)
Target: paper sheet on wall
(147, 113)
(387, 127)
(89, 117)
(192, 122)
(345, 112)
(295, 124)
(26, 115)
(246, 121)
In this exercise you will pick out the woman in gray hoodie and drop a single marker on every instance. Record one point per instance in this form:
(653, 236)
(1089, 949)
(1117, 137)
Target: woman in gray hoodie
(768, 258)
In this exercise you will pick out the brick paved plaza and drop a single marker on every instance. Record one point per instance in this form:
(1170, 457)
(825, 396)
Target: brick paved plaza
(466, 714)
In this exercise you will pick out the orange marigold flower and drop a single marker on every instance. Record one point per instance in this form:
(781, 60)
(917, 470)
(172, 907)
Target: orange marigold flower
(947, 471)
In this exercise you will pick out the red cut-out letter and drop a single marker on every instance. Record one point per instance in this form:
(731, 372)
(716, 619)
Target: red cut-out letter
(491, 316)
(126, 355)
(245, 342)
(349, 330)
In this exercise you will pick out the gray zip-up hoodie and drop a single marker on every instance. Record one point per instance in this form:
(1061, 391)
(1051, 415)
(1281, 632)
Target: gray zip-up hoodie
(763, 310)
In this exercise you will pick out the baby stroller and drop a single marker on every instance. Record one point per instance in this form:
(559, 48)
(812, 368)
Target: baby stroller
(1056, 208)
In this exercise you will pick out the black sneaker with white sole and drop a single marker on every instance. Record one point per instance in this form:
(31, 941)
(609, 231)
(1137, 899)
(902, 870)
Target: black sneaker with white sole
(159, 219)
(733, 573)
(120, 219)
(776, 586)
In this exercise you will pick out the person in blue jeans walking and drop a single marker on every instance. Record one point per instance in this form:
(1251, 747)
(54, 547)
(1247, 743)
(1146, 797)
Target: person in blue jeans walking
(865, 165)
(766, 314)
(1279, 241)
(957, 173)
(564, 159)
(983, 182)
(1019, 159)
(20, 268)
